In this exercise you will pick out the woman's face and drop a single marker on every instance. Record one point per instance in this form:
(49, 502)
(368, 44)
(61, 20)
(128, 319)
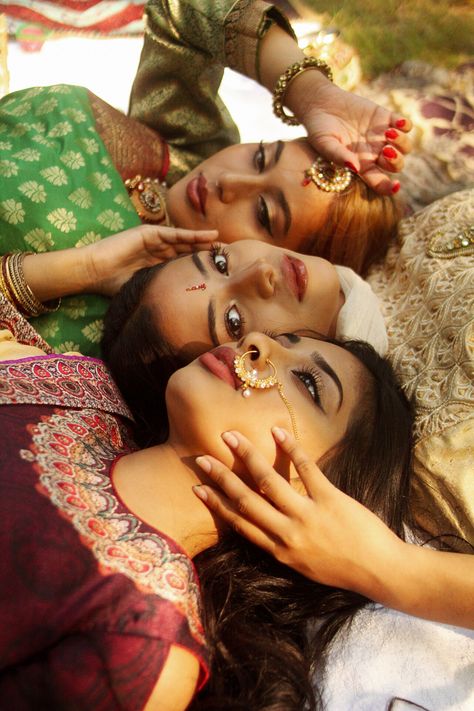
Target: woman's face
(319, 380)
(242, 287)
(253, 191)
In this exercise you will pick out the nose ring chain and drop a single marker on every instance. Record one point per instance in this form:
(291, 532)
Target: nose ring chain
(250, 380)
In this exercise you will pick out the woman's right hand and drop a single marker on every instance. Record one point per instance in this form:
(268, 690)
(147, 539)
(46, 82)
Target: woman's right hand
(309, 524)
(331, 538)
(102, 267)
(110, 262)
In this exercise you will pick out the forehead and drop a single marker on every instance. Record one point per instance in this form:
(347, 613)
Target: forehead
(169, 296)
(308, 204)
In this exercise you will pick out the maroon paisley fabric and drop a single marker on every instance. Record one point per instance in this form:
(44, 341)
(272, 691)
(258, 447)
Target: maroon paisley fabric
(91, 598)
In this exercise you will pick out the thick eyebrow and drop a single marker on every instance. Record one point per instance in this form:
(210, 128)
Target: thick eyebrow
(199, 264)
(280, 196)
(211, 309)
(211, 322)
(286, 210)
(322, 363)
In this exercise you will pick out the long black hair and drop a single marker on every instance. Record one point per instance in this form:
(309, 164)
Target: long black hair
(264, 653)
(140, 360)
(256, 611)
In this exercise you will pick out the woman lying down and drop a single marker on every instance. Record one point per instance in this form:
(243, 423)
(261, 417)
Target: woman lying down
(109, 565)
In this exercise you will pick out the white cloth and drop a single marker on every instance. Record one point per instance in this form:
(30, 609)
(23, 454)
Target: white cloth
(361, 316)
(386, 654)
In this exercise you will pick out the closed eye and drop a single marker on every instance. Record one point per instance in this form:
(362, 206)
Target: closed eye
(259, 159)
(264, 215)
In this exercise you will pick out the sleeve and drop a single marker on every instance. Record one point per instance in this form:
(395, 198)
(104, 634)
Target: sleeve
(187, 45)
(107, 672)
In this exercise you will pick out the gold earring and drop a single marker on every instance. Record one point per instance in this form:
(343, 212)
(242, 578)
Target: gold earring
(327, 176)
(250, 378)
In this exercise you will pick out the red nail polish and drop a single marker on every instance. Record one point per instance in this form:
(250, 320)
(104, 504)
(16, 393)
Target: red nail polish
(400, 123)
(396, 187)
(391, 134)
(389, 152)
(351, 166)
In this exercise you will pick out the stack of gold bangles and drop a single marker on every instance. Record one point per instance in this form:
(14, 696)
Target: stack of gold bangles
(285, 80)
(14, 287)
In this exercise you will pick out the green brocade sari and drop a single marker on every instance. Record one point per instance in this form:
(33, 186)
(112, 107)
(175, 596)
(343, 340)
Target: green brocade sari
(59, 189)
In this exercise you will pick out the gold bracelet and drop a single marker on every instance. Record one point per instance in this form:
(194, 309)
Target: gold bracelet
(285, 80)
(23, 297)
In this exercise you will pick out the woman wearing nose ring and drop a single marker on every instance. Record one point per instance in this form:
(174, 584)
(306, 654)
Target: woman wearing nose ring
(67, 155)
(99, 599)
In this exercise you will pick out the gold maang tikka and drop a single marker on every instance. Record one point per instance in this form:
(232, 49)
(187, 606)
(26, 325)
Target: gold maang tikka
(250, 380)
(327, 176)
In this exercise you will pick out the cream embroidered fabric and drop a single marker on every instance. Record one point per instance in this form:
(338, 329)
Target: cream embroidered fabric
(428, 303)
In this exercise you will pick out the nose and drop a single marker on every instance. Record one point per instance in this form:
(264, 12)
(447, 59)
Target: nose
(258, 279)
(236, 185)
(261, 349)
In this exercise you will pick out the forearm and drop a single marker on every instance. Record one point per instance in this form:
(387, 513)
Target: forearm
(427, 583)
(278, 52)
(187, 45)
(53, 274)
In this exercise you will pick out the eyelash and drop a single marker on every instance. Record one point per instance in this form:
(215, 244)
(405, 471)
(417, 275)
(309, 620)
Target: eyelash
(315, 380)
(263, 215)
(234, 336)
(259, 158)
(217, 250)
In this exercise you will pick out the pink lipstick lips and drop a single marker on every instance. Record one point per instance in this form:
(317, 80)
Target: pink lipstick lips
(296, 275)
(220, 362)
(196, 190)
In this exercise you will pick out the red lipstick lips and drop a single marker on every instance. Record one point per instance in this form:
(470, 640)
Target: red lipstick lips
(296, 276)
(196, 191)
(220, 362)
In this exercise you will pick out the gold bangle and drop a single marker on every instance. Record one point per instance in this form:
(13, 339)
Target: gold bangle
(23, 297)
(285, 80)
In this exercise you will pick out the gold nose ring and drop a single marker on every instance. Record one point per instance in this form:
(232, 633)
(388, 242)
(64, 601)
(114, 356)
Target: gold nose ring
(250, 378)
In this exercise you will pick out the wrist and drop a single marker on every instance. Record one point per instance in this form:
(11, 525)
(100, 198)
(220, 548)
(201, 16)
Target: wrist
(383, 576)
(301, 91)
(54, 274)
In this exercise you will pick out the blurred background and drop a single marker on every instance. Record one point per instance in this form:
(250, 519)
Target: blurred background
(45, 42)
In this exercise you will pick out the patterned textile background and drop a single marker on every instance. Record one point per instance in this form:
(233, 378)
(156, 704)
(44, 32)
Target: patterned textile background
(109, 17)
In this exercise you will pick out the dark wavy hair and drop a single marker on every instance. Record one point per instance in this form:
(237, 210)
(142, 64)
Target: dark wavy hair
(140, 360)
(264, 656)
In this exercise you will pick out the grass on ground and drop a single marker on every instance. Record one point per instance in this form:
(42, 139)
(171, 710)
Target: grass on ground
(388, 32)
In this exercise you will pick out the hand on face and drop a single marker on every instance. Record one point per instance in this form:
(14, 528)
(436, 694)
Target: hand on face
(249, 286)
(352, 131)
(315, 391)
(311, 526)
(110, 262)
(252, 191)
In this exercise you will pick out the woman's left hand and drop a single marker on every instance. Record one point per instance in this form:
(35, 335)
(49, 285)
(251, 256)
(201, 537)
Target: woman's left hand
(323, 534)
(110, 262)
(351, 130)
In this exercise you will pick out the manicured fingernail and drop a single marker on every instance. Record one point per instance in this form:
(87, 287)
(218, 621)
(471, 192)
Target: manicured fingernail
(390, 133)
(389, 152)
(400, 123)
(200, 492)
(204, 463)
(279, 434)
(230, 439)
(396, 187)
(351, 166)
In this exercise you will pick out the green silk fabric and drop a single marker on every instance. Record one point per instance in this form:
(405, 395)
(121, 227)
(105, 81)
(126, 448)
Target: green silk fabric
(59, 189)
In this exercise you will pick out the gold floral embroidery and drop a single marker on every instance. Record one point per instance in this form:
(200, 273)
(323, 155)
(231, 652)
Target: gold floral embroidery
(445, 247)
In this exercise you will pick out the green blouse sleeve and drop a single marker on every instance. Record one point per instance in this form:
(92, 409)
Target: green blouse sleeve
(187, 45)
